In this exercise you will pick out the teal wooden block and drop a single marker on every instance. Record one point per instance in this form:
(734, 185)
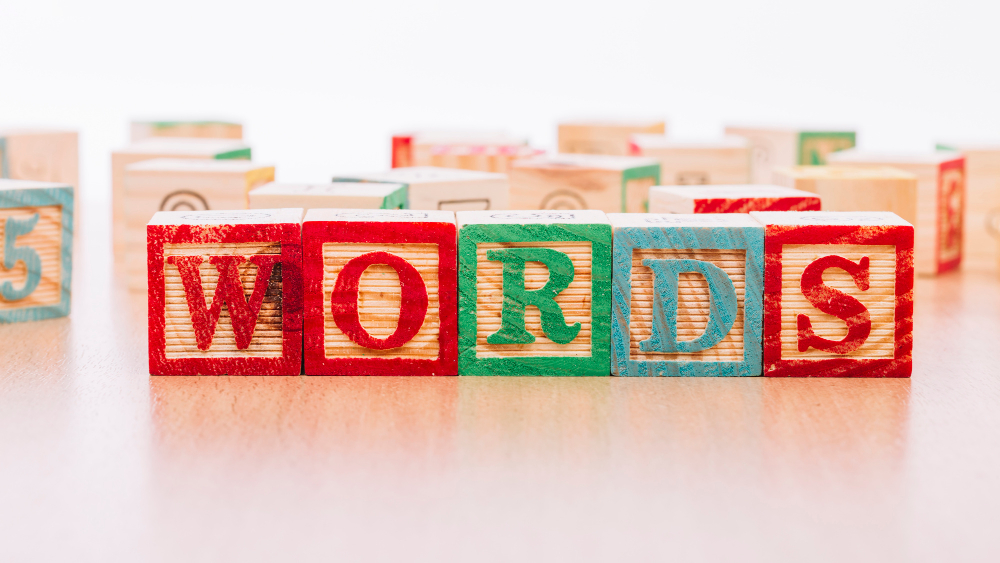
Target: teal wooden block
(534, 293)
(36, 250)
(687, 295)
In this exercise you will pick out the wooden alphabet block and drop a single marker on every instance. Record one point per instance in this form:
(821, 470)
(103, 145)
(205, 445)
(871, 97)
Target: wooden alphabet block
(848, 188)
(583, 181)
(40, 155)
(940, 201)
(225, 292)
(981, 225)
(221, 149)
(335, 195)
(534, 293)
(209, 129)
(688, 294)
(469, 150)
(36, 250)
(686, 163)
(444, 189)
(772, 147)
(730, 199)
(838, 294)
(169, 184)
(604, 137)
(380, 292)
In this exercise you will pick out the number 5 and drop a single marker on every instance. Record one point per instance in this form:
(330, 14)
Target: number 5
(13, 254)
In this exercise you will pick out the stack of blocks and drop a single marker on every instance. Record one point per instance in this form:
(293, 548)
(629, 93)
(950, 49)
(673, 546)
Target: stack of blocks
(583, 181)
(483, 151)
(406, 292)
(605, 137)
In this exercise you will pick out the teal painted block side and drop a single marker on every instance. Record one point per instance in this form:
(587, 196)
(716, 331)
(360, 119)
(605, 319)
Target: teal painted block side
(398, 199)
(40, 197)
(664, 232)
(598, 363)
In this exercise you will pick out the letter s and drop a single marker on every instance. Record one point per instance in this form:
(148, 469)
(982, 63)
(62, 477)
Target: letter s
(836, 303)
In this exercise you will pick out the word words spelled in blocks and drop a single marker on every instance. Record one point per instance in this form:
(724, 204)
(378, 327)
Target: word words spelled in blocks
(335, 195)
(688, 163)
(838, 294)
(444, 189)
(380, 292)
(167, 184)
(730, 199)
(36, 250)
(167, 147)
(40, 155)
(940, 201)
(687, 295)
(484, 151)
(583, 181)
(534, 293)
(772, 147)
(604, 137)
(190, 129)
(849, 188)
(981, 225)
(225, 292)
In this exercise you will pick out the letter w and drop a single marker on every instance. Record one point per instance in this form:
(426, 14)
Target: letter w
(229, 290)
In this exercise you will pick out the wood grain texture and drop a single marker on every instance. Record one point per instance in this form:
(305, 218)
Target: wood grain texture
(604, 137)
(610, 184)
(849, 188)
(723, 161)
(41, 156)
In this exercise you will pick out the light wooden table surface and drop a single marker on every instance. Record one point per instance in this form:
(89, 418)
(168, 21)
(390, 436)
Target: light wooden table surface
(101, 462)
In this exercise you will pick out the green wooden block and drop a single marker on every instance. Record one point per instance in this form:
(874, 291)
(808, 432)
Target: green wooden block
(534, 293)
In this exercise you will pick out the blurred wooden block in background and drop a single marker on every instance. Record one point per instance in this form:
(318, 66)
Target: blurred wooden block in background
(220, 149)
(443, 189)
(773, 147)
(534, 293)
(838, 294)
(583, 181)
(40, 155)
(380, 292)
(981, 225)
(730, 199)
(36, 250)
(849, 188)
(225, 292)
(207, 129)
(683, 163)
(940, 201)
(334, 195)
(485, 151)
(170, 184)
(605, 137)
(688, 292)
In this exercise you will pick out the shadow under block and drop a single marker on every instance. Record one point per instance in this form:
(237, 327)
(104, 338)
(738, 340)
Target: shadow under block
(838, 294)
(444, 189)
(484, 151)
(380, 292)
(583, 181)
(846, 188)
(940, 202)
(189, 129)
(36, 250)
(148, 149)
(686, 163)
(687, 295)
(534, 293)
(40, 155)
(772, 147)
(604, 137)
(225, 292)
(981, 225)
(335, 195)
(730, 199)
(167, 184)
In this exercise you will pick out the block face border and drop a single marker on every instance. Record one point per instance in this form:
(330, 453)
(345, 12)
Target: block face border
(750, 239)
(40, 197)
(901, 364)
(316, 233)
(651, 171)
(956, 164)
(806, 135)
(290, 237)
(599, 235)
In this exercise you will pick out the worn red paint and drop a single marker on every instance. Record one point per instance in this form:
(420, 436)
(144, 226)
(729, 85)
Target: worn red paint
(748, 204)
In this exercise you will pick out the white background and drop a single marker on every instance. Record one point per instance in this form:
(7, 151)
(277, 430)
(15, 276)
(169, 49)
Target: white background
(321, 86)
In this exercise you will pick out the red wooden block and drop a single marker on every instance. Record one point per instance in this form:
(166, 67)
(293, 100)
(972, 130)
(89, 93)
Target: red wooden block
(380, 292)
(730, 199)
(838, 294)
(225, 292)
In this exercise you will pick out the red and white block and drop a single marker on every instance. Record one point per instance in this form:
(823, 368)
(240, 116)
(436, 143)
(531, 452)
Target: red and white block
(730, 199)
